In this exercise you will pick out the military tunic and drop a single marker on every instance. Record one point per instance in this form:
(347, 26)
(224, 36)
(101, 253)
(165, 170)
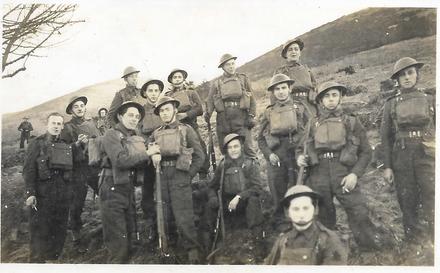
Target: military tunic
(408, 139)
(48, 223)
(233, 114)
(25, 128)
(129, 93)
(316, 245)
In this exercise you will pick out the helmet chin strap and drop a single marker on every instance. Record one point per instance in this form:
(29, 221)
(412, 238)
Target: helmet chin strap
(173, 117)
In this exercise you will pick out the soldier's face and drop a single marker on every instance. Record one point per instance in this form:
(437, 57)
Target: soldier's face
(281, 91)
(301, 212)
(131, 118)
(102, 113)
(132, 79)
(152, 92)
(229, 66)
(177, 78)
(293, 52)
(54, 125)
(167, 113)
(408, 77)
(234, 149)
(79, 109)
(331, 99)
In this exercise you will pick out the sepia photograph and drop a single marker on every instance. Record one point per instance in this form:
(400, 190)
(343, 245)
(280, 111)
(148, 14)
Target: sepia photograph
(270, 135)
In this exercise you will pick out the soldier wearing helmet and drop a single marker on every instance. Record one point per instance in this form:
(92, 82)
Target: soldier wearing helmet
(129, 93)
(125, 152)
(282, 127)
(231, 96)
(305, 84)
(241, 186)
(78, 130)
(408, 139)
(190, 107)
(25, 128)
(308, 242)
(102, 122)
(180, 158)
(338, 155)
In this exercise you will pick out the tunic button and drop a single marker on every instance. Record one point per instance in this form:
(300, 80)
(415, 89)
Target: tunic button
(112, 188)
(305, 257)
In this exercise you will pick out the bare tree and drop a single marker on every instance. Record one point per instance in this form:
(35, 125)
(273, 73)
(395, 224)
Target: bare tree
(28, 28)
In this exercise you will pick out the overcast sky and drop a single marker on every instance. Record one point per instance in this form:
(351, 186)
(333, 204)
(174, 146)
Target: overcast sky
(157, 36)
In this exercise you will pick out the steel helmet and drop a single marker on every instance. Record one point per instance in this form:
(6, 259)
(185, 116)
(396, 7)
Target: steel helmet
(73, 100)
(297, 191)
(164, 100)
(288, 43)
(128, 104)
(326, 86)
(151, 81)
(128, 71)
(184, 73)
(404, 63)
(231, 137)
(225, 57)
(277, 79)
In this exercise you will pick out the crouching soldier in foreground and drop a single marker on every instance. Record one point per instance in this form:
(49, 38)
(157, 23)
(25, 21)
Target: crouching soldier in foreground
(237, 186)
(408, 137)
(181, 157)
(47, 170)
(125, 153)
(308, 242)
(339, 153)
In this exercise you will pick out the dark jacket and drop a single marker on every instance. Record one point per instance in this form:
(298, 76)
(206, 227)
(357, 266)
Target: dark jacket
(129, 93)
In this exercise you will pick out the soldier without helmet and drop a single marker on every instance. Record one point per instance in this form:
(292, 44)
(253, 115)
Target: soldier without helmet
(408, 139)
(231, 96)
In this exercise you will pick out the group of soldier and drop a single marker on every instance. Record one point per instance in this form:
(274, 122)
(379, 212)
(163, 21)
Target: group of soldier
(150, 137)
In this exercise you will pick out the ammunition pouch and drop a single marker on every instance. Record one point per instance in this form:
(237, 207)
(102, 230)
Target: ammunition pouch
(185, 103)
(150, 122)
(184, 160)
(60, 156)
(218, 104)
(245, 100)
(230, 88)
(135, 145)
(283, 120)
(169, 141)
(330, 134)
(412, 111)
(234, 182)
(349, 153)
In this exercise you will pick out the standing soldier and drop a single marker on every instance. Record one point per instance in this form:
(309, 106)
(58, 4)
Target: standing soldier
(282, 127)
(151, 91)
(129, 93)
(190, 107)
(124, 154)
(180, 159)
(241, 188)
(305, 84)
(338, 153)
(46, 172)
(231, 96)
(102, 122)
(77, 131)
(308, 242)
(25, 128)
(408, 139)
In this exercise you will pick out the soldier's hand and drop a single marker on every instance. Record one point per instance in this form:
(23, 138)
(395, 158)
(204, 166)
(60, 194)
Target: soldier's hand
(349, 182)
(153, 149)
(156, 158)
(207, 117)
(388, 174)
(83, 138)
(274, 159)
(31, 201)
(234, 202)
(302, 161)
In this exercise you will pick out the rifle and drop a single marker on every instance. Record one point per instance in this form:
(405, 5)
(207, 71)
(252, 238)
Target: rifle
(220, 222)
(299, 179)
(163, 240)
(211, 151)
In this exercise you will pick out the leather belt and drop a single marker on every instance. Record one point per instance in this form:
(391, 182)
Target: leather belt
(232, 104)
(299, 94)
(329, 155)
(168, 163)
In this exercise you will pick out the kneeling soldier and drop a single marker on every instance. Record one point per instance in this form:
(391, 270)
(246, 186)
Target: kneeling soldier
(125, 152)
(241, 187)
(308, 242)
(181, 157)
(339, 153)
(46, 172)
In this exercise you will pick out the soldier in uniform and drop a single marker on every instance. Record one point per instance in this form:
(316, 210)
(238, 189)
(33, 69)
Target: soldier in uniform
(408, 139)
(338, 154)
(282, 128)
(129, 93)
(308, 242)
(305, 84)
(102, 122)
(241, 188)
(47, 192)
(25, 128)
(231, 96)
(77, 131)
(190, 107)
(181, 157)
(124, 154)
(151, 91)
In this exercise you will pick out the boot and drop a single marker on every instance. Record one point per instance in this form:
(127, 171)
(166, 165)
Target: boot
(194, 256)
(76, 239)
